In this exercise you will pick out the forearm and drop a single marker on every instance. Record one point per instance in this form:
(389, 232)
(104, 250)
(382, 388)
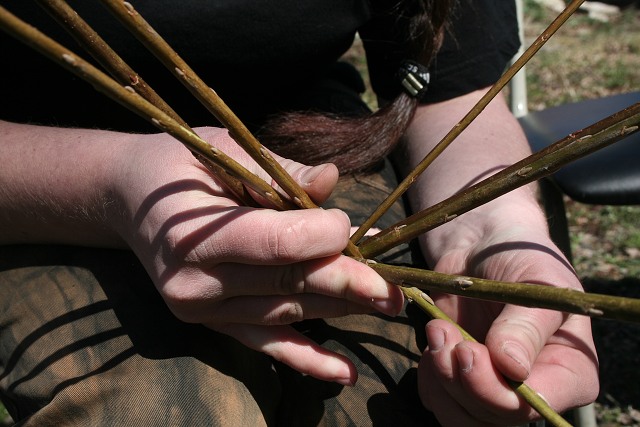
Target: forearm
(493, 141)
(55, 184)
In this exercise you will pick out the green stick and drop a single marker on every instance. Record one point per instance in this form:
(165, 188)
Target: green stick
(524, 294)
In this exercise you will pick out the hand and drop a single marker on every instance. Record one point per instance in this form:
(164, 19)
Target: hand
(245, 272)
(461, 381)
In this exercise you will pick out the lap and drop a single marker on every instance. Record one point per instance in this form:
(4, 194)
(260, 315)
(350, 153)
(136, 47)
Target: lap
(84, 334)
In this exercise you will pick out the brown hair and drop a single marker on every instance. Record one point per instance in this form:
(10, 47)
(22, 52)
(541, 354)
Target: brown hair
(358, 143)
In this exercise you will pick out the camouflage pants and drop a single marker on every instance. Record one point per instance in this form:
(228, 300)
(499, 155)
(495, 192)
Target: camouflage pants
(85, 339)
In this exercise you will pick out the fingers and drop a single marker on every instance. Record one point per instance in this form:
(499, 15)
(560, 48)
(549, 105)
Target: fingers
(258, 236)
(327, 287)
(567, 362)
(464, 376)
(290, 347)
(518, 335)
(282, 310)
(240, 256)
(434, 397)
(462, 386)
(337, 276)
(317, 181)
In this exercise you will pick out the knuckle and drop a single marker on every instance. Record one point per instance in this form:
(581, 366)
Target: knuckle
(190, 304)
(172, 241)
(526, 328)
(182, 245)
(286, 314)
(289, 280)
(284, 239)
(175, 243)
(183, 311)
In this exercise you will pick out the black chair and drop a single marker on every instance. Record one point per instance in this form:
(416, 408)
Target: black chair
(610, 176)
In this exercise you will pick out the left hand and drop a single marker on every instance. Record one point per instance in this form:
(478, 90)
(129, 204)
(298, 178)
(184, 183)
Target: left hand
(463, 382)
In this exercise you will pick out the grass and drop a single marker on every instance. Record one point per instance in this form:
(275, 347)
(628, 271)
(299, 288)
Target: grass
(588, 59)
(605, 243)
(5, 419)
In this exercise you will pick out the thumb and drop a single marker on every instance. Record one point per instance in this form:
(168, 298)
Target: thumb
(518, 335)
(317, 181)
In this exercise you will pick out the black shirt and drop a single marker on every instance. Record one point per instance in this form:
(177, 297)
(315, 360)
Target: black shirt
(261, 56)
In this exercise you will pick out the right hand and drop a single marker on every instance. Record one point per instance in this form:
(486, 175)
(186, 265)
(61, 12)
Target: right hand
(245, 272)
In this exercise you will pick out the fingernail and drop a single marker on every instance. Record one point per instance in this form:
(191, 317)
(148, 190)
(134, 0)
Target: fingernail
(436, 337)
(465, 357)
(517, 353)
(346, 215)
(343, 214)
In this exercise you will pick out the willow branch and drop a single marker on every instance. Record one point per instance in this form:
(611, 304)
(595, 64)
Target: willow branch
(466, 120)
(423, 301)
(136, 24)
(133, 101)
(95, 45)
(524, 294)
(532, 168)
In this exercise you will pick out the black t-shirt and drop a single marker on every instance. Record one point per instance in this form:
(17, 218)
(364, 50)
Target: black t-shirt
(261, 56)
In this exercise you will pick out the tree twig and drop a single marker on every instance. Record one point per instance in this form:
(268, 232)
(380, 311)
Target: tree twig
(524, 294)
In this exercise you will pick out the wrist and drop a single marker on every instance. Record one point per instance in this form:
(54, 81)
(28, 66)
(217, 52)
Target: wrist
(150, 176)
(510, 218)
